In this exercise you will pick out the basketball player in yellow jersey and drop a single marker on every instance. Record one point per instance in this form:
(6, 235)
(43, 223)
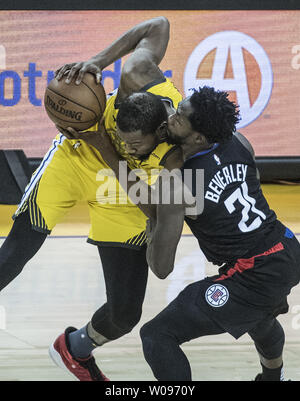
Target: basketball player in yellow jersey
(72, 171)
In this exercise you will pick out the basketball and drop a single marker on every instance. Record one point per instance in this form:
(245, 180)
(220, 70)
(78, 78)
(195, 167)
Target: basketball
(77, 106)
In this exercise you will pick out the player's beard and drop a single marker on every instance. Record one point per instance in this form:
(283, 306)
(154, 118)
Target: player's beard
(174, 139)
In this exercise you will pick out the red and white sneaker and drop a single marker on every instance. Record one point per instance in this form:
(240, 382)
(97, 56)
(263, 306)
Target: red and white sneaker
(81, 369)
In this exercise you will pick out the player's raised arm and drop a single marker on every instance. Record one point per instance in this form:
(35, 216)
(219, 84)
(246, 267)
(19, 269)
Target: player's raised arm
(142, 66)
(147, 41)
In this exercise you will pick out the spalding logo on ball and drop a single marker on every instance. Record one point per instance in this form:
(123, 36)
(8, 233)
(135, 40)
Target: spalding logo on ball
(77, 106)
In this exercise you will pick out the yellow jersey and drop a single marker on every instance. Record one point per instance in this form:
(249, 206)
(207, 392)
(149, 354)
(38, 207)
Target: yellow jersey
(166, 90)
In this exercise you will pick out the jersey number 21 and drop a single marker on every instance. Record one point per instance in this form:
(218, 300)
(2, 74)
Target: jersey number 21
(248, 203)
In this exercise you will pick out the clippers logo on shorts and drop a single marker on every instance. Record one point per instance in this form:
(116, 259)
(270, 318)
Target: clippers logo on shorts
(216, 295)
(232, 61)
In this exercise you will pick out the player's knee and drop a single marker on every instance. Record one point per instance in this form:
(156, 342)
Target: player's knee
(150, 338)
(152, 335)
(155, 340)
(146, 331)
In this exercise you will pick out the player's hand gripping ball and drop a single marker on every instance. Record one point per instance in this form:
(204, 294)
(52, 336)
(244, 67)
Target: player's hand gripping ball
(77, 106)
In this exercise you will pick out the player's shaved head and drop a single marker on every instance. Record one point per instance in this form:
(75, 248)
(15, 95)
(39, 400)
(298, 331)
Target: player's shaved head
(141, 111)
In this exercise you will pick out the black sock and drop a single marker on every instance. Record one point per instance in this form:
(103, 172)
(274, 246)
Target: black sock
(272, 374)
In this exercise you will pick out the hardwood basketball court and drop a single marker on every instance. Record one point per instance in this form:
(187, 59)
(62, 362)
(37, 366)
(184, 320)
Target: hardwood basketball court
(63, 285)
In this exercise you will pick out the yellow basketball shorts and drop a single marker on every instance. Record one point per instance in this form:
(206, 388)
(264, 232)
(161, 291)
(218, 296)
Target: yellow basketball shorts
(73, 171)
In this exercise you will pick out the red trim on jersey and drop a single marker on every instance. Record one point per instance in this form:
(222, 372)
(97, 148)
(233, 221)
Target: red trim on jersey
(244, 264)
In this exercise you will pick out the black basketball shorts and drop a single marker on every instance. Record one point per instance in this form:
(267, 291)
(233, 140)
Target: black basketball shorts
(252, 289)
